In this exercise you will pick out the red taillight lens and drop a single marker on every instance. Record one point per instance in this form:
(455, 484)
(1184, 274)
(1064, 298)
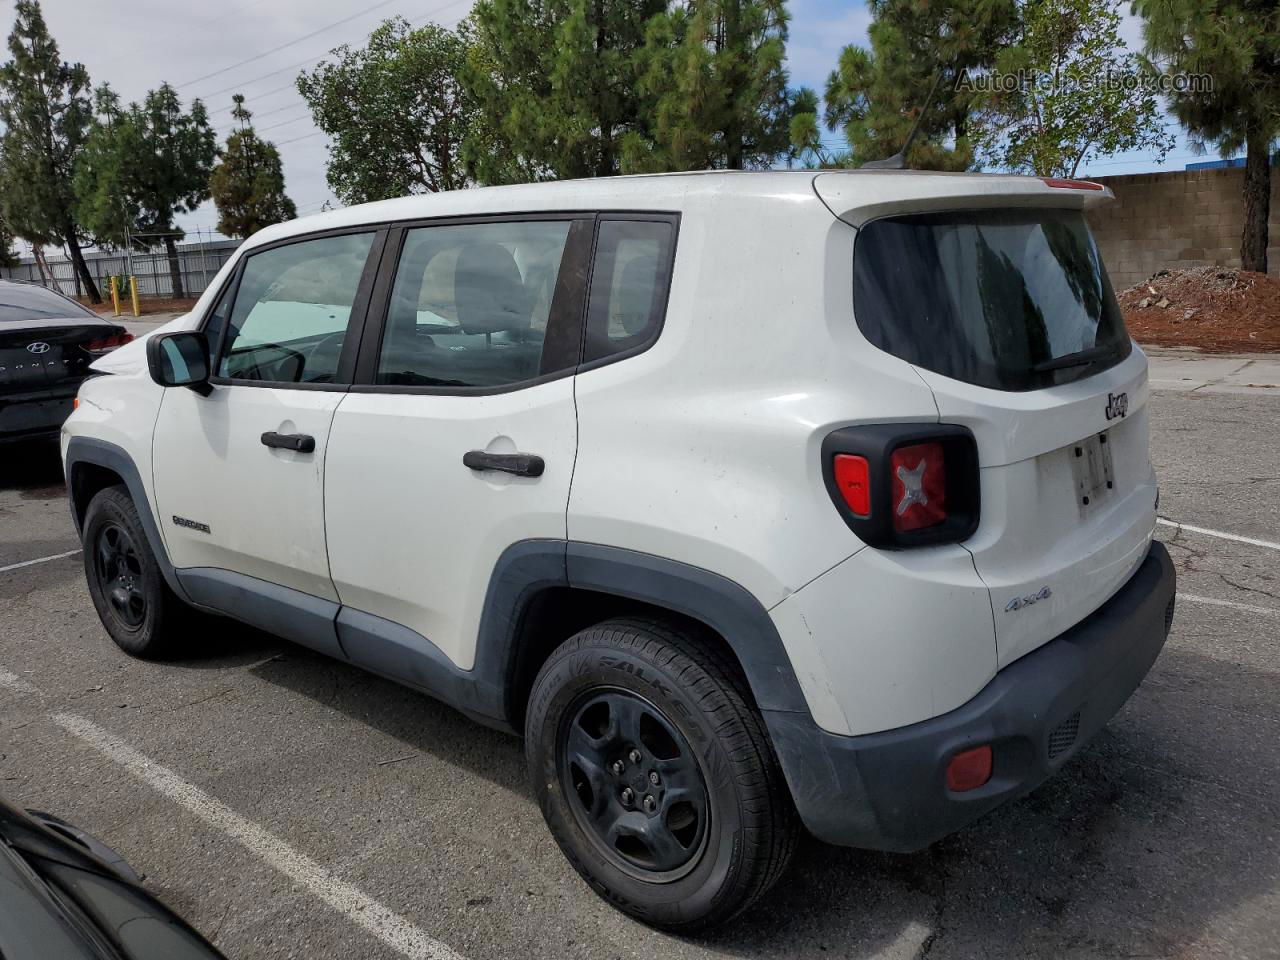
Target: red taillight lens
(853, 479)
(969, 769)
(108, 343)
(919, 478)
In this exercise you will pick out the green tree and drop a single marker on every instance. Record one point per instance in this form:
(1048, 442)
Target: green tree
(396, 112)
(874, 96)
(557, 85)
(46, 113)
(1236, 45)
(248, 183)
(1079, 94)
(8, 258)
(715, 70)
(144, 166)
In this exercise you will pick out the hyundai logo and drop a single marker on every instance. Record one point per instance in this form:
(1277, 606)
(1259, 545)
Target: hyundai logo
(38, 347)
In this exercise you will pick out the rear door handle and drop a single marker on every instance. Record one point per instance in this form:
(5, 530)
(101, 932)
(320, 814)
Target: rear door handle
(289, 441)
(521, 464)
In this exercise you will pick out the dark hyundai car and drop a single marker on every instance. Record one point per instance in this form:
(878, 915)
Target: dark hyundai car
(65, 896)
(47, 342)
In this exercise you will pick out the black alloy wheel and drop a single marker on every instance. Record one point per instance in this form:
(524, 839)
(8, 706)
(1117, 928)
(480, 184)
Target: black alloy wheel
(634, 784)
(119, 571)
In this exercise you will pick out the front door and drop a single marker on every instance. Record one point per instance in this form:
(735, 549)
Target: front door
(460, 439)
(239, 473)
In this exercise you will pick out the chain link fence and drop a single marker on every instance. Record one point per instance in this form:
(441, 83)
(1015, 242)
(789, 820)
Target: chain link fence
(198, 263)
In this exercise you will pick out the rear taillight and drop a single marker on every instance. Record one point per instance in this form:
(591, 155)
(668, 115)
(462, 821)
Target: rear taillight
(103, 344)
(919, 477)
(904, 485)
(854, 481)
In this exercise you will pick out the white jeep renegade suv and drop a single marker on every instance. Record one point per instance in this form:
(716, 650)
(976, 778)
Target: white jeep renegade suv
(752, 500)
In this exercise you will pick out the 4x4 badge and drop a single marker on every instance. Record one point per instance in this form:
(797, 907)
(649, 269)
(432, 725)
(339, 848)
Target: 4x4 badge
(1117, 405)
(1017, 603)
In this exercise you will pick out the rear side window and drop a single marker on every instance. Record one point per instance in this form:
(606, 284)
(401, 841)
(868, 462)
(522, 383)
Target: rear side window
(628, 286)
(1009, 299)
(470, 304)
(21, 302)
(291, 310)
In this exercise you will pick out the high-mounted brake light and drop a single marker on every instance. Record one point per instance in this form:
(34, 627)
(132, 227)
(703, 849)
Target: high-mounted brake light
(1065, 184)
(919, 477)
(853, 478)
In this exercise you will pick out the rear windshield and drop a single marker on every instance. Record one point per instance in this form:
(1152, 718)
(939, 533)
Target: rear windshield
(21, 302)
(1010, 299)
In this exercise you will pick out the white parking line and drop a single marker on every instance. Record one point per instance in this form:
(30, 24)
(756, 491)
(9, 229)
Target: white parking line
(32, 563)
(11, 681)
(361, 909)
(1247, 607)
(1219, 534)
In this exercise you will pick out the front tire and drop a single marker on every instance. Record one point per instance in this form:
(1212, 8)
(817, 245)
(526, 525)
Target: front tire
(136, 606)
(655, 774)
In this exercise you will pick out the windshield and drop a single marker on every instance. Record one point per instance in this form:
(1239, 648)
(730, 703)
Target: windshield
(21, 302)
(1001, 298)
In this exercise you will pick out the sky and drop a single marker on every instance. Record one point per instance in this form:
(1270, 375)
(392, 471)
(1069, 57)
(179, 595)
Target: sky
(257, 47)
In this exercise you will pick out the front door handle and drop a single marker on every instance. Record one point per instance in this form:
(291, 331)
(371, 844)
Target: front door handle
(521, 464)
(289, 441)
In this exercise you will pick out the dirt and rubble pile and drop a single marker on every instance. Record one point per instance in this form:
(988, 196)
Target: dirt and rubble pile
(1216, 309)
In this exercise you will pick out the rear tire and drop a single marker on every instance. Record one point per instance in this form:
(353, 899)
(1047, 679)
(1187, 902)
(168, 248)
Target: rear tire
(655, 774)
(140, 612)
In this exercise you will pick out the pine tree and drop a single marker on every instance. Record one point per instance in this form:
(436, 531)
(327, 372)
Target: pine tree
(248, 183)
(874, 96)
(8, 258)
(1234, 45)
(144, 166)
(715, 70)
(46, 113)
(557, 86)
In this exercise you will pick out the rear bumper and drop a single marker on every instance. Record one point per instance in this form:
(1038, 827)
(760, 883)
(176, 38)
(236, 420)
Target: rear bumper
(887, 791)
(36, 414)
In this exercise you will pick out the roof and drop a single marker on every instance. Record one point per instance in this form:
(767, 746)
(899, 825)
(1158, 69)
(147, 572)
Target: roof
(657, 191)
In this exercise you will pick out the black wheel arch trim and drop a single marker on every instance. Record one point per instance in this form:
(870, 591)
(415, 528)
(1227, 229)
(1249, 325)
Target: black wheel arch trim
(100, 453)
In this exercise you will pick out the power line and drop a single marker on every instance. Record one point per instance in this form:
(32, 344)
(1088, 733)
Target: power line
(277, 49)
(305, 136)
(319, 56)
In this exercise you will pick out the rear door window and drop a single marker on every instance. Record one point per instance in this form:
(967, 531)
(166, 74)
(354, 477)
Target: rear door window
(1009, 299)
(628, 285)
(470, 304)
(292, 306)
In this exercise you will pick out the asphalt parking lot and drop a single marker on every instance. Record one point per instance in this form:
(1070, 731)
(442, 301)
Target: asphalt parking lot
(291, 806)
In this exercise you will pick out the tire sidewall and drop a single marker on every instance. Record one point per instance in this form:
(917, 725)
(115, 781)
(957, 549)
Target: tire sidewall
(111, 506)
(592, 665)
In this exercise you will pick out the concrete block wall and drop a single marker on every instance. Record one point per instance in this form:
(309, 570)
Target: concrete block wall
(1182, 218)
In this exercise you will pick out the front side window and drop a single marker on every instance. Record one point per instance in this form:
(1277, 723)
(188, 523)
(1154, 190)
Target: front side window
(470, 304)
(291, 310)
(628, 285)
(1010, 299)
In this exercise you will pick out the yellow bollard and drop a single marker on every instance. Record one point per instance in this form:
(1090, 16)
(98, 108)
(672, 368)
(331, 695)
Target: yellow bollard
(115, 296)
(133, 290)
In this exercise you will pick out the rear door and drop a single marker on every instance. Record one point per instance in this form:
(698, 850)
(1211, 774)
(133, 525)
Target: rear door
(459, 440)
(239, 473)
(1008, 316)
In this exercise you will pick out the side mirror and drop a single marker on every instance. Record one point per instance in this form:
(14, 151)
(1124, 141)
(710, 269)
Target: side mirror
(180, 360)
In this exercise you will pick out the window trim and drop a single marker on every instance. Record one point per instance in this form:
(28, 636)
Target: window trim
(567, 315)
(664, 297)
(356, 321)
